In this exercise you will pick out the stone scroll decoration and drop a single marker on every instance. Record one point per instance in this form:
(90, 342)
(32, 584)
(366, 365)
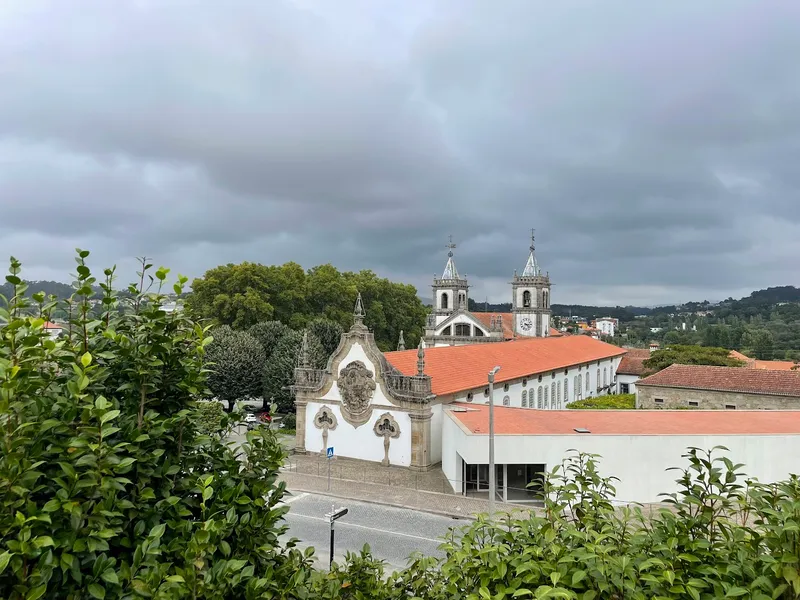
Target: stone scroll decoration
(387, 428)
(356, 385)
(325, 420)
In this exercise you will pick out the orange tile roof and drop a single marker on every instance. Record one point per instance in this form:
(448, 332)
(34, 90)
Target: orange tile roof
(739, 356)
(526, 421)
(49, 325)
(632, 362)
(508, 323)
(457, 368)
(727, 379)
(776, 365)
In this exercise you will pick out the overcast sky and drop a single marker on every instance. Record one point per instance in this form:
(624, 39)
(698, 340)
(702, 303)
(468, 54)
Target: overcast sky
(654, 146)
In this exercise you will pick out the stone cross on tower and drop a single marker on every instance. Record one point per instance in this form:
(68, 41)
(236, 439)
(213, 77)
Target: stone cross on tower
(450, 246)
(358, 314)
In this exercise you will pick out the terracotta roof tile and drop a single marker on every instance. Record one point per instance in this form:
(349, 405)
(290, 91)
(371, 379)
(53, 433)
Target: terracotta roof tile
(525, 421)
(508, 323)
(50, 325)
(632, 362)
(727, 379)
(776, 365)
(456, 368)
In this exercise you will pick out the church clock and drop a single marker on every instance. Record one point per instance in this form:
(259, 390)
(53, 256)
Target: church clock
(526, 324)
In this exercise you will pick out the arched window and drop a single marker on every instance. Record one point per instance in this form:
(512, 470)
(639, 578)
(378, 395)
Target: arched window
(469, 396)
(505, 387)
(566, 391)
(553, 396)
(545, 299)
(587, 380)
(558, 395)
(447, 331)
(444, 301)
(605, 376)
(462, 299)
(506, 401)
(526, 299)
(598, 380)
(524, 398)
(539, 397)
(462, 329)
(478, 332)
(546, 398)
(578, 385)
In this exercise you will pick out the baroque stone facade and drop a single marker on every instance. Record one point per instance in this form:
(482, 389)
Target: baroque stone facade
(361, 387)
(653, 397)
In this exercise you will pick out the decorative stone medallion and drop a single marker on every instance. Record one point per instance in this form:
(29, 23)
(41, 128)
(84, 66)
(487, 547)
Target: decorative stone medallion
(325, 420)
(387, 428)
(356, 385)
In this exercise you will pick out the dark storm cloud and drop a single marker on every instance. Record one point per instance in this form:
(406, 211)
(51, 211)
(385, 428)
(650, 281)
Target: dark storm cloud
(653, 145)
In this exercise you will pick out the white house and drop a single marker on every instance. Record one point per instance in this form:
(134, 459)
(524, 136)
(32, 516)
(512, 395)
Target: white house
(636, 446)
(54, 330)
(631, 369)
(607, 326)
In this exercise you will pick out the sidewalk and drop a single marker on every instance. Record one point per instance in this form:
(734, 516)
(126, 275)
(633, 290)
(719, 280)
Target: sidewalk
(390, 486)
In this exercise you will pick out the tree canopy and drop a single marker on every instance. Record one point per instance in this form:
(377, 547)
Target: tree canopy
(242, 295)
(235, 360)
(689, 355)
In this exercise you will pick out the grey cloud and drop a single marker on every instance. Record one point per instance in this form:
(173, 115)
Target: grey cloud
(652, 145)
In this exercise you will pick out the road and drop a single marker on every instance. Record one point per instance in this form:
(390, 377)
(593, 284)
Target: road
(393, 534)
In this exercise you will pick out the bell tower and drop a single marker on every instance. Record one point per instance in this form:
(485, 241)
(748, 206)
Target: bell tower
(450, 291)
(530, 302)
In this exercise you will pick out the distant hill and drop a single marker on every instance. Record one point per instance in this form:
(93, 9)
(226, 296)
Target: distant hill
(624, 313)
(56, 288)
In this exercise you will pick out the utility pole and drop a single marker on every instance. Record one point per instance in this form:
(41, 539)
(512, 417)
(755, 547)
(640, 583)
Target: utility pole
(492, 477)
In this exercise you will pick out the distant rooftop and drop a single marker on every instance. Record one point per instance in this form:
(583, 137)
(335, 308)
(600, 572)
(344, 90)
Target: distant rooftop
(727, 379)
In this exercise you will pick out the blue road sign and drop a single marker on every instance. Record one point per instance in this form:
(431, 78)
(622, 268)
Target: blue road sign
(330, 452)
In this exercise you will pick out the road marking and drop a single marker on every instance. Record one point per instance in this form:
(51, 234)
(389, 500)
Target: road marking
(345, 524)
(293, 498)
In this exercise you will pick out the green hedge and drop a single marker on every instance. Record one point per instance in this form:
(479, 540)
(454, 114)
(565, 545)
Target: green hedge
(612, 401)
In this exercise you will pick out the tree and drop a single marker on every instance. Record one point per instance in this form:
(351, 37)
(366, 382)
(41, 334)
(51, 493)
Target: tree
(279, 371)
(611, 401)
(107, 489)
(689, 355)
(268, 333)
(210, 418)
(761, 341)
(236, 365)
(328, 332)
(235, 295)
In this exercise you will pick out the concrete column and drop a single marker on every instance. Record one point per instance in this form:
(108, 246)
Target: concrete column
(420, 441)
(300, 436)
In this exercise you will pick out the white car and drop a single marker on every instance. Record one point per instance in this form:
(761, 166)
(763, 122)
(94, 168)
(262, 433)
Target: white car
(250, 418)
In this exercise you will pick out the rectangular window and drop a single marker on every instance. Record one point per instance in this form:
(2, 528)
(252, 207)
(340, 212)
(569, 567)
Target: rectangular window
(624, 388)
(730, 407)
(694, 403)
(659, 401)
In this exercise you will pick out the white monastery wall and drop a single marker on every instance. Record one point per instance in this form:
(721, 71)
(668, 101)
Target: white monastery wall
(639, 461)
(532, 384)
(436, 434)
(360, 442)
(630, 380)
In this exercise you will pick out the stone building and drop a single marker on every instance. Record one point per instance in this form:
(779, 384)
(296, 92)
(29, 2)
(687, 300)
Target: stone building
(708, 387)
(450, 323)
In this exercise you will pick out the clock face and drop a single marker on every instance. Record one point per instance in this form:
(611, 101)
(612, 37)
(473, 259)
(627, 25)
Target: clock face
(526, 324)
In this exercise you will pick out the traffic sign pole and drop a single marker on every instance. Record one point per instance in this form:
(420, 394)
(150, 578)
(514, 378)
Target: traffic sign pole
(330, 458)
(332, 517)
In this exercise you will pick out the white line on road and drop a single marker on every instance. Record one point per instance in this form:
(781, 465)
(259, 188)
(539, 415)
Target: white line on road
(345, 524)
(293, 498)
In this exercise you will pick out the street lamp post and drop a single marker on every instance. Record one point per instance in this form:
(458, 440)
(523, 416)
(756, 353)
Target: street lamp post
(492, 478)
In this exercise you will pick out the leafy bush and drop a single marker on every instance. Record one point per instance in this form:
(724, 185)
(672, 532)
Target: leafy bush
(210, 418)
(289, 421)
(612, 401)
(107, 489)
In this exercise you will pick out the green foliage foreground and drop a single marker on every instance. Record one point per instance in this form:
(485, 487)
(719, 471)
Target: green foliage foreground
(110, 491)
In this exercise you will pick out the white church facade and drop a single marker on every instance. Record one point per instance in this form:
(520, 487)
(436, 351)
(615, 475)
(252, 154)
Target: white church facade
(450, 323)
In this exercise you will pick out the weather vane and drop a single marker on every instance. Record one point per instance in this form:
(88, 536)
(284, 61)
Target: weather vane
(451, 246)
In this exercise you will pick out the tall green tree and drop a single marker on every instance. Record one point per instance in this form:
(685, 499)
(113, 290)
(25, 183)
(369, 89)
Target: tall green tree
(268, 334)
(279, 372)
(236, 365)
(761, 341)
(328, 332)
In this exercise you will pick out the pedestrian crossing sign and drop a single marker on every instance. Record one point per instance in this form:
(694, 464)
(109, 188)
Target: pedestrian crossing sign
(330, 452)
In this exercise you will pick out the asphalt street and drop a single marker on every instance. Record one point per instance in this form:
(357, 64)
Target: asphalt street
(393, 534)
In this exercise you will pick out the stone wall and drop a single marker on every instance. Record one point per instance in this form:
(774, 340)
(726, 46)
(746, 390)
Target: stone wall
(646, 396)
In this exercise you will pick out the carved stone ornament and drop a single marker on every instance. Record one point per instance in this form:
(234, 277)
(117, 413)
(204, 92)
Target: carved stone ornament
(325, 420)
(387, 428)
(356, 384)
